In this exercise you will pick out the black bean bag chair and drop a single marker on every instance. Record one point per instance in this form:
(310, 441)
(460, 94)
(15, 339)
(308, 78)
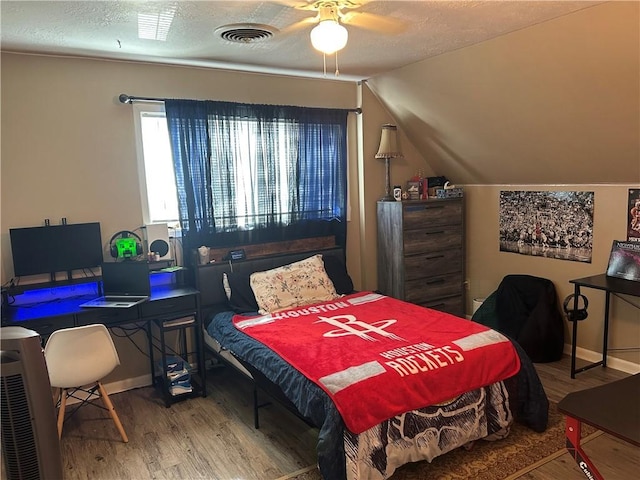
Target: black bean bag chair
(526, 309)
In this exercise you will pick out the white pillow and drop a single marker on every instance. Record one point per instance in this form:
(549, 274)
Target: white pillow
(293, 285)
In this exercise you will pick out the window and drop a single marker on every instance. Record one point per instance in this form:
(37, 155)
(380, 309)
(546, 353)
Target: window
(242, 210)
(237, 174)
(157, 177)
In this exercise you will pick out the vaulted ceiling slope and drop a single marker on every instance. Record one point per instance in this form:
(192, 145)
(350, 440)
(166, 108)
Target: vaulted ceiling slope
(554, 103)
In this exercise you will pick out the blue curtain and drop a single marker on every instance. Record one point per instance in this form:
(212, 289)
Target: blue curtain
(258, 173)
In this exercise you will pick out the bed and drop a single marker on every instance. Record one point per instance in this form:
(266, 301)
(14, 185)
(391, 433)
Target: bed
(366, 451)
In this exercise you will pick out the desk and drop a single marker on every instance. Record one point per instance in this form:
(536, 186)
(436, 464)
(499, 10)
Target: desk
(47, 310)
(612, 408)
(609, 285)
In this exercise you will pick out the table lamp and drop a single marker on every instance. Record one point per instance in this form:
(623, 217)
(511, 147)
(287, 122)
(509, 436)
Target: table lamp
(388, 149)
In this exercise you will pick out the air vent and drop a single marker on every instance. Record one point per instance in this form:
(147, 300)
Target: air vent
(246, 32)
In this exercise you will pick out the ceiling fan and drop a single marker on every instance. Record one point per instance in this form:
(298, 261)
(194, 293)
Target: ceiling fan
(329, 34)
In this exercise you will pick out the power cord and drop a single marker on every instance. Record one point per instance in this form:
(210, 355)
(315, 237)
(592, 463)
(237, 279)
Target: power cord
(128, 332)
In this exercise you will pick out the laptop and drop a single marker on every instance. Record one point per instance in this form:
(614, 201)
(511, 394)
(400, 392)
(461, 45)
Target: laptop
(124, 284)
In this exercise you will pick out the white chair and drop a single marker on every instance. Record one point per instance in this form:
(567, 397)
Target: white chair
(77, 360)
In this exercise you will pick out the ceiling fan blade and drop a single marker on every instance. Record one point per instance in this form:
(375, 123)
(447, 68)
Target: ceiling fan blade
(297, 4)
(294, 27)
(372, 21)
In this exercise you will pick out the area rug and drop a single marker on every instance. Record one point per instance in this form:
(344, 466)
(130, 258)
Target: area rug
(522, 451)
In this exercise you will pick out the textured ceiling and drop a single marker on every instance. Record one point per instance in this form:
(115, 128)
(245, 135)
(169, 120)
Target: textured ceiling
(383, 35)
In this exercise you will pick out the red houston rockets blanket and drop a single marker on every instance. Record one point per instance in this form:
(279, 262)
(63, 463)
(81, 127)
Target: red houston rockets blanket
(378, 357)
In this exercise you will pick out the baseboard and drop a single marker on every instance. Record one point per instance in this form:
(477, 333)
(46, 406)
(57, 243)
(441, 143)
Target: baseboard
(612, 362)
(121, 386)
(591, 356)
(128, 384)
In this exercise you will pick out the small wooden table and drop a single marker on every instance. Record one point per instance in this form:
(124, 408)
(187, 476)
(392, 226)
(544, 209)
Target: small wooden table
(613, 408)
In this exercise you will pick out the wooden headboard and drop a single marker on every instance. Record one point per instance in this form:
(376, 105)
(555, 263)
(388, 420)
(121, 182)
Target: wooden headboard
(273, 248)
(208, 278)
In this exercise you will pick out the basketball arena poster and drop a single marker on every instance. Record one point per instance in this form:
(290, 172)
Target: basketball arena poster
(547, 224)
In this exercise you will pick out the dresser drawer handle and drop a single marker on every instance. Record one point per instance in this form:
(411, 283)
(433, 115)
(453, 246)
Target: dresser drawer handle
(431, 257)
(435, 281)
(433, 207)
(439, 232)
(436, 305)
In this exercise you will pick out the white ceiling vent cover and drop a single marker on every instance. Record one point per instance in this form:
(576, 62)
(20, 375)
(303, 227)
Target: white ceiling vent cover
(246, 32)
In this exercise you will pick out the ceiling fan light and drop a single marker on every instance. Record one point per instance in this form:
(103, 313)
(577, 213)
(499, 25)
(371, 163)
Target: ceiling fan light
(329, 36)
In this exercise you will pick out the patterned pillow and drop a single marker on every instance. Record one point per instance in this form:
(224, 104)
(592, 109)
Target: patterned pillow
(293, 285)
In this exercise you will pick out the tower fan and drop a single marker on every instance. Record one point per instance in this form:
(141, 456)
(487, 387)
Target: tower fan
(30, 445)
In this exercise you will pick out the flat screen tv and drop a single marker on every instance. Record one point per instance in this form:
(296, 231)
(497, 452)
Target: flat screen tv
(55, 248)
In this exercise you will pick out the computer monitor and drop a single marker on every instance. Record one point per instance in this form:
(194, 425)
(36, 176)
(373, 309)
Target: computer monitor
(55, 248)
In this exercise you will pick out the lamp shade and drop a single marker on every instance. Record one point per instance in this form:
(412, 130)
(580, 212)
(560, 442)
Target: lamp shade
(329, 36)
(388, 143)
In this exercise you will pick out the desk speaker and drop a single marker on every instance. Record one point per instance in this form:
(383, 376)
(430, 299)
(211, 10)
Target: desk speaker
(156, 237)
(30, 445)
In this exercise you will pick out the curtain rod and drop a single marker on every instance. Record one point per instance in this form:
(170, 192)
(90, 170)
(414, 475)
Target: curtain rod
(124, 98)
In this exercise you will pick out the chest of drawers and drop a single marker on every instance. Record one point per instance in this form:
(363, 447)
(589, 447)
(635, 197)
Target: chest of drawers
(421, 252)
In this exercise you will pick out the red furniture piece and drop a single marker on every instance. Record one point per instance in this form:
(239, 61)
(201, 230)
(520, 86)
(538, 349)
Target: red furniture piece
(613, 408)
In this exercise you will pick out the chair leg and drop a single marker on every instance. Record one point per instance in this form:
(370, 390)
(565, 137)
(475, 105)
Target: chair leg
(55, 394)
(61, 409)
(112, 412)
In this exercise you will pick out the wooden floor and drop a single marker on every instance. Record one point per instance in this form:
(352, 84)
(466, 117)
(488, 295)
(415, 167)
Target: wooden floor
(614, 459)
(214, 438)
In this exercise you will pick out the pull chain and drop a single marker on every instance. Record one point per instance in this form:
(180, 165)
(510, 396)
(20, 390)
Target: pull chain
(324, 64)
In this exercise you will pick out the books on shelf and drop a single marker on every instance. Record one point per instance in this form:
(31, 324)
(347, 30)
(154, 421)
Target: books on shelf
(180, 389)
(173, 364)
(178, 373)
(624, 261)
(180, 382)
